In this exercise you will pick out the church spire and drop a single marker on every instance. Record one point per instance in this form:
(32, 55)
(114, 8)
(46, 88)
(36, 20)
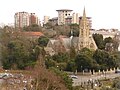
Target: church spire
(84, 14)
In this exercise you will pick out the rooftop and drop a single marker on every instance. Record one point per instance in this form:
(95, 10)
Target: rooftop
(33, 33)
(64, 10)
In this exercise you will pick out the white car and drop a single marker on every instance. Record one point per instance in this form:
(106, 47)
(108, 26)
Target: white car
(117, 71)
(74, 76)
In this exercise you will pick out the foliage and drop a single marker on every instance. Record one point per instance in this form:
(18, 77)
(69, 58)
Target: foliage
(116, 58)
(58, 61)
(87, 52)
(115, 45)
(33, 27)
(75, 29)
(62, 30)
(17, 51)
(72, 52)
(49, 62)
(71, 66)
(42, 41)
(65, 77)
(61, 57)
(50, 33)
(47, 80)
(108, 40)
(84, 61)
(17, 56)
(44, 79)
(99, 40)
(104, 59)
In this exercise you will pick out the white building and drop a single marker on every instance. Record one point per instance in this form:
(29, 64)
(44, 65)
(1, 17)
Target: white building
(105, 34)
(62, 14)
(75, 18)
(46, 19)
(21, 19)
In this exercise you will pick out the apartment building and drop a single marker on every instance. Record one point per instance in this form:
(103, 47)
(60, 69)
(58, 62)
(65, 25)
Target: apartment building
(23, 19)
(46, 19)
(75, 18)
(62, 15)
(33, 19)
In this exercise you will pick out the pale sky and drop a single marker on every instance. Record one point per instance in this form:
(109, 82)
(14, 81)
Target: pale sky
(104, 13)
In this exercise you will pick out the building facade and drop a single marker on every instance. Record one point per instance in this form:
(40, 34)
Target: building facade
(65, 17)
(62, 14)
(85, 39)
(46, 19)
(21, 19)
(75, 18)
(33, 19)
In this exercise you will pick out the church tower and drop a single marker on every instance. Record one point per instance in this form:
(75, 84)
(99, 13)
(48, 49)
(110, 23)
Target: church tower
(85, 40)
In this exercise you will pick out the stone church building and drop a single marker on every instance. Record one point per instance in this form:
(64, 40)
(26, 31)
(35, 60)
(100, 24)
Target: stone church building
(63, 44)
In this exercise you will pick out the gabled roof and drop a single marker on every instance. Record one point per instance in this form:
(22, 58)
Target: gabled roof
(74, 41)
(66, 42)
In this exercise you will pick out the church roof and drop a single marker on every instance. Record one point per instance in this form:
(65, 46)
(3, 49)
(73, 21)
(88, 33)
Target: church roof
(66, 42)
(74, 41)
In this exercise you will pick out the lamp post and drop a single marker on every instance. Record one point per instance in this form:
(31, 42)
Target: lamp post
(105, 74)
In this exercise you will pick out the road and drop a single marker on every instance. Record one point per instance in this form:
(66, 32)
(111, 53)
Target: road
(82, 79)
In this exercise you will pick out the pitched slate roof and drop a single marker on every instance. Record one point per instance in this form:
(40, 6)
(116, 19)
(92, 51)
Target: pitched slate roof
(33, 33)
(74, 41)
(66, 42)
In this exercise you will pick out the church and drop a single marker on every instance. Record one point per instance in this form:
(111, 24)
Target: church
(63, 44)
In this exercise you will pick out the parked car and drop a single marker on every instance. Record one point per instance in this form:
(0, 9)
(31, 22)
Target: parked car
(117, 71)
(74, 76)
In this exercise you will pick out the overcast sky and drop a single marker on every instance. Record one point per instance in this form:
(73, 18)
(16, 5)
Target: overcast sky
(104, 13)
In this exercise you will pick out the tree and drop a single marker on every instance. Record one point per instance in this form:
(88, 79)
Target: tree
(61, 57)
(62, 30)
(17, 55)
(75, 29)
(99, 40)
(116, 58)
(86, 51)
(108, 40)
(48, 25)
(71, 66)
(17, 50)
(44, 79)
(84, 61)
(115, 45)
(42, 41)
(49, 62)
(72, 52)
(104, 59)
(67, 80)
(33, 27)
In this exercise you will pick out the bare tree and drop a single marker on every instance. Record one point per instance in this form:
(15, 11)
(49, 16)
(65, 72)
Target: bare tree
(44, 79)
